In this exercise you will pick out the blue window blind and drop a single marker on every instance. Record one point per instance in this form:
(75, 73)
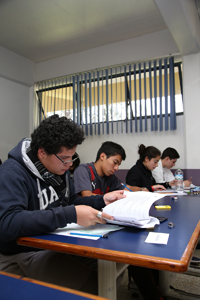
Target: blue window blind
(136, 97)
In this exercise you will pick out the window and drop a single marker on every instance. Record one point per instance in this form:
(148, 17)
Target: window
(101, 99)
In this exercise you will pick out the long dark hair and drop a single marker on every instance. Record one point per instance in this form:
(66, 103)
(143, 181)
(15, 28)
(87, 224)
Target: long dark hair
(150, 152)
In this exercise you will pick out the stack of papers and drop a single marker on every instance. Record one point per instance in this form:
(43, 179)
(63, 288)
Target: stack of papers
(134, 210)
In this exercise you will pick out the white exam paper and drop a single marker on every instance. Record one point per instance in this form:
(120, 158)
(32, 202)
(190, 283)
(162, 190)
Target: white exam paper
(157, 238)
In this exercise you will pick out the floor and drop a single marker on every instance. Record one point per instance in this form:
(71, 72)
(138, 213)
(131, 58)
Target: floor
(180, 283)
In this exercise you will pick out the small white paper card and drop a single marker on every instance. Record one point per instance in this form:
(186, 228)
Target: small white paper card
(157, 238)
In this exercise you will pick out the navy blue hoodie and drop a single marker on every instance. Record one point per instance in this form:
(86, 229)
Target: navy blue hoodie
(29, 205)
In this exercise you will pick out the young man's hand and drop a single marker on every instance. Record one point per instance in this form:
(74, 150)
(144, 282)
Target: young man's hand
(87, 216)
(113, 196)
(173, 182)
(187, 183)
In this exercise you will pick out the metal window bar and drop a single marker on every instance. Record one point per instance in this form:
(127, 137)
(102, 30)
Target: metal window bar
(160, 95)
(140, 96)
(172, 94)
(155, 96)
(130, 104)
(107, 107)
(102, 89)
(145, 95)
(135, 94)
(150, 90)
(90, 103)
(117, 127)
(126, 98)
(95, 106)
(166, 95)
(121, 96)
(98, 101)
(111, 96)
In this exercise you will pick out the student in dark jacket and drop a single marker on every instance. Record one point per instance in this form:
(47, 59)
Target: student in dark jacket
(140, 174)
(37, 196)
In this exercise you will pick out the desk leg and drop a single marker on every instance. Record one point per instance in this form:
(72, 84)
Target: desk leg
(108, 272)
(107, 279)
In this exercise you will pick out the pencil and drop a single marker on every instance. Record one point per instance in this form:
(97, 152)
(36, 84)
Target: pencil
(126, 186)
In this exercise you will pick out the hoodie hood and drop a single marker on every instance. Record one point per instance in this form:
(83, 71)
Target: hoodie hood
(19, 154)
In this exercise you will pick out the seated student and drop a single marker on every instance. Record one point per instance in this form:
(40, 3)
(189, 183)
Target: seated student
(140, 174)
(98, 178)
(37, 196)
(162, 173)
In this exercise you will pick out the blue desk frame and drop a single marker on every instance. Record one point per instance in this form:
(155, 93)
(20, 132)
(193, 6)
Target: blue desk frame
(128, 245)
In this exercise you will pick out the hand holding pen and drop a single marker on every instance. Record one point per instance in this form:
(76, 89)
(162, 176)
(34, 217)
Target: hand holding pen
(187, 182)
(135, 188)
(126, 186)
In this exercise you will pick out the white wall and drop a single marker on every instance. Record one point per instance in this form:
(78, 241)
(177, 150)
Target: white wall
(131, 141)
(140, 48)
(16, 68)
(191, 83)
(17, 76)
(14, 115)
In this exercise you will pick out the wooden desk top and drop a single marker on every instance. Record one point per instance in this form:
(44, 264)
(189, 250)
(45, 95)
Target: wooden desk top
(14, 287)
(128, 245)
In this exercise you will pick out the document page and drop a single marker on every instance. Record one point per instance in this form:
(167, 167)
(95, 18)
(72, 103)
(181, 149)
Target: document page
(134, 209)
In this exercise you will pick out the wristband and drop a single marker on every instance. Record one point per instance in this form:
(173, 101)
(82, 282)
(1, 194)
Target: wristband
(167, 184)
(152, 188)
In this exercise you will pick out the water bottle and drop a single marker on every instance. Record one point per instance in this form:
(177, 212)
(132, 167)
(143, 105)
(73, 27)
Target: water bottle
(179, 179)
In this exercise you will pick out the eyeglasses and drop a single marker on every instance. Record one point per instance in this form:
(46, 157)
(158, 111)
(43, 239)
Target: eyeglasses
(68, 161)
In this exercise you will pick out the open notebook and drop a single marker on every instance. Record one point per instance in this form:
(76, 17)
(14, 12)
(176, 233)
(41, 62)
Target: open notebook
(134, 210)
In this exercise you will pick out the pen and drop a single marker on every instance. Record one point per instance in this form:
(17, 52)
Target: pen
(106, 234)
(190, 178)
(85, 234)
(126, 187)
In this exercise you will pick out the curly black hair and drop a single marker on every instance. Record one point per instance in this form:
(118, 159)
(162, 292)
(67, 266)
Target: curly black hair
(56, 132)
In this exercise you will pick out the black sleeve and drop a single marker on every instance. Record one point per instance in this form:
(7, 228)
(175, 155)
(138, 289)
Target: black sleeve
(136, 178)
(165, 184)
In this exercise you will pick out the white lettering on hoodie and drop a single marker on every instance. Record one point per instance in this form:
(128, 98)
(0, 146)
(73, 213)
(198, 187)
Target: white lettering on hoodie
(43, 198)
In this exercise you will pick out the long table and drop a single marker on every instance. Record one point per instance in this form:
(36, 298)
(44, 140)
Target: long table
(128, 246)
(15, 287)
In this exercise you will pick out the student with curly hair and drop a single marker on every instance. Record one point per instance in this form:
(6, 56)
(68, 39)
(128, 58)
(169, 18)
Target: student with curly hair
(37, 196)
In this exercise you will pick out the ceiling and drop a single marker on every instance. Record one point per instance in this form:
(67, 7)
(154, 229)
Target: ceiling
(45, 29)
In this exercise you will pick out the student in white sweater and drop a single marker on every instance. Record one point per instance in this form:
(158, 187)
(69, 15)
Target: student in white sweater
(163, 174)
